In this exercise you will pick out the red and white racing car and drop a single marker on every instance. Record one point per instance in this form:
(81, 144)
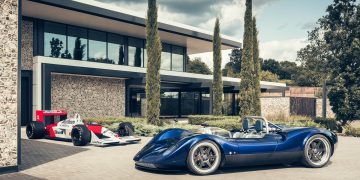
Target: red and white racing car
(54, 124)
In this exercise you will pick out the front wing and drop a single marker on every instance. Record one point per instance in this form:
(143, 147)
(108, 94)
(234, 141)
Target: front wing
(95, 140)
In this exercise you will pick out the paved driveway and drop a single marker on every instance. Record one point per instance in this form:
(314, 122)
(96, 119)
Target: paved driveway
(45, 159)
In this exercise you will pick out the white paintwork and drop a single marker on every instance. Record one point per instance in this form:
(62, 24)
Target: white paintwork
(64, 128)
(38, 60)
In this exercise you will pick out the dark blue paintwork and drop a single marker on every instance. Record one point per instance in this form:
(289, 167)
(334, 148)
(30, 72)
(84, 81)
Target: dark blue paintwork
(170, 148)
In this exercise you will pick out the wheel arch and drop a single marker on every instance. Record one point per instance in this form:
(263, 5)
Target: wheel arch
(326, 135)
(219, 144)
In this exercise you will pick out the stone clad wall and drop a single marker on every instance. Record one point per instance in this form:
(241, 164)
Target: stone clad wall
(27, 45)
(275, 106)
(91, 97)
(329, 112)
(8, 82)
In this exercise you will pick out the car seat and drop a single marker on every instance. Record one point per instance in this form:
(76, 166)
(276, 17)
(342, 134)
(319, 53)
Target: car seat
(258, 133)
(246, 127)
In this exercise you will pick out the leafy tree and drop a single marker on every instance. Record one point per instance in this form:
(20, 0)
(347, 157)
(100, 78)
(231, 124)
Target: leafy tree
(269, 76)
(314, 70)
(307, 77)
(217, 86)
(271, 65)
(257, 72)
(102, 60)
(247, 65)
(56, 46)
(341, 27)
(66, 55)
(198, 67)
(79, 49)
(233, 67)
(153, 46)
(288, 70)
(121, 55)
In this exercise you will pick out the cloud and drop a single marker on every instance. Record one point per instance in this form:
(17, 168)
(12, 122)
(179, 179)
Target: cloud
(278, 50)
(282, 50)
(200, 13)
(308, 25)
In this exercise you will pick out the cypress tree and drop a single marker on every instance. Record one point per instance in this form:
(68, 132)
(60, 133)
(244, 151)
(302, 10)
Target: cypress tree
(257, 71)
(247, 66)
(79, 49)
(153, 46)
(217, 76)
(121, 55)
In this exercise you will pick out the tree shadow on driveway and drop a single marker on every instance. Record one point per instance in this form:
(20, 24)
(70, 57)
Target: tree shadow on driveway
(227, 170)
(34, 153)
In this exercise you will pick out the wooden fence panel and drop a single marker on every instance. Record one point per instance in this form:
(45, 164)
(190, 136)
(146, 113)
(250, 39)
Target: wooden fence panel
(303, 106)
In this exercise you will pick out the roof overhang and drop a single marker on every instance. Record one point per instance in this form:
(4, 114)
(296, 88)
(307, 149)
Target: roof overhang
(129, 72)
(101, 16)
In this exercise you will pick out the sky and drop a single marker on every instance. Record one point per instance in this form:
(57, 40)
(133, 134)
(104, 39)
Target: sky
(282, 24)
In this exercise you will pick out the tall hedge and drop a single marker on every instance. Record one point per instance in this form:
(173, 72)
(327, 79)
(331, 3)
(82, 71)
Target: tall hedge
(247, 68)
(153, 46)
(257, 72)
(217, 85)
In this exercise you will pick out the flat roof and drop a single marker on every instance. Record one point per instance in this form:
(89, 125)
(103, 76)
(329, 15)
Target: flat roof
(106, 17)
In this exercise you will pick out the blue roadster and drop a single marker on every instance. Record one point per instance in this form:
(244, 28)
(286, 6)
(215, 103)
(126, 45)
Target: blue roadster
(203, 152)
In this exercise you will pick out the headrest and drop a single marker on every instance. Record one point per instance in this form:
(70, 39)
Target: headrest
(259, 125)
(246, 124)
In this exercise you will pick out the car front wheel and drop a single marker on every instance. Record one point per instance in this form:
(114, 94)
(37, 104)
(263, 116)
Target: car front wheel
(204, 158)
(80, 135)
(317, 151)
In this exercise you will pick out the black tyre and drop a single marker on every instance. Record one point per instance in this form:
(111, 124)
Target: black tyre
(35, 130)
(80, 135)
(204, 158)
(126, 129)
(317, 151)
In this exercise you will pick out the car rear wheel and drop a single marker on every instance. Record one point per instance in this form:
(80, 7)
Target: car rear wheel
(35, 130)
(126, 129)
(317, 151)
(204, 158)
(80, 135)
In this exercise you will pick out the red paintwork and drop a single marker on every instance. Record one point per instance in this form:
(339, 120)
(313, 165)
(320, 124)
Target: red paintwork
(40, 114)
(95, 128)
(49, 129)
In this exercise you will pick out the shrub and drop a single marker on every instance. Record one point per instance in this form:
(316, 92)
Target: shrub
(228, 124)
(298, 123)
(200, 119)
(144, 129)
(329, 123)
(352, 131)
(284, 118)
(109, 120)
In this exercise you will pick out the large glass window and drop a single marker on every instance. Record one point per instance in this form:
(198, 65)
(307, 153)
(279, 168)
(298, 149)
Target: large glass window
(54, 39)
(116, 49)
(166, 57)
(135, 52)
(77, 43)
(177, 58)
(169, 104)
(205, 103)
(189, 103)
(97, 47)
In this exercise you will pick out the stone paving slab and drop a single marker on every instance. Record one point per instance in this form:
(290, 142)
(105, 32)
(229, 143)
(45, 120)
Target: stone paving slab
(115, 162)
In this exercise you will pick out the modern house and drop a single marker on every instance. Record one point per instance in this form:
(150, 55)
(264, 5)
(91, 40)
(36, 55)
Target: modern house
(90, 58)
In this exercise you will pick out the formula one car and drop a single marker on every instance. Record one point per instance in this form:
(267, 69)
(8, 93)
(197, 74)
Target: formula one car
(54, 124)
(203, 152)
